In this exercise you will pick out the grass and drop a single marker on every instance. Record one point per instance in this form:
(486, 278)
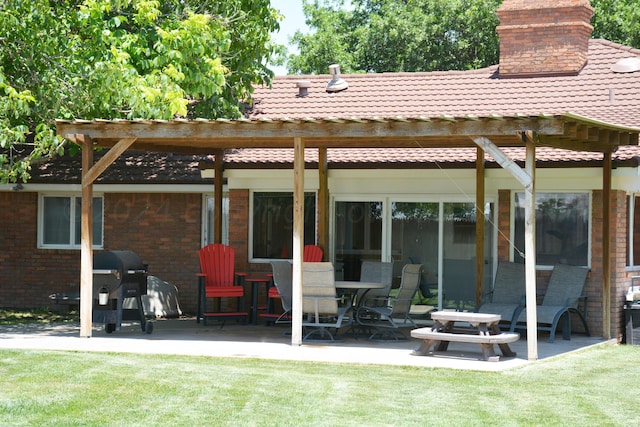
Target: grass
(596, 386)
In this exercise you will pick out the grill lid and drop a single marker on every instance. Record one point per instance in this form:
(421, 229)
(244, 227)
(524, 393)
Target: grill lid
(125, 262)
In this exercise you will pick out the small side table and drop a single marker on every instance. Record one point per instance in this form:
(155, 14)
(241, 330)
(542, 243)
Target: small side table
(255, 281)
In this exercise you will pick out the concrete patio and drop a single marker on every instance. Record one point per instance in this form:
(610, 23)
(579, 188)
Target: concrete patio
(186, 337)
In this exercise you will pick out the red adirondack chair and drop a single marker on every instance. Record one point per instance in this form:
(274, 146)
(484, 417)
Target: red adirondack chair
(218, 280)
(312, 253)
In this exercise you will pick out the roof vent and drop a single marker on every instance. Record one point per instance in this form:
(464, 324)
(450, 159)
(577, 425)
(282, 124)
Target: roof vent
(303, 88)
(626, 65)
(336, 84)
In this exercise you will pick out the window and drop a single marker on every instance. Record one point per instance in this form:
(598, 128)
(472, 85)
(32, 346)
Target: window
(59, 222)
(562, 228)
(272, 224)
(633, 242)
(357, 236)
(208, 224)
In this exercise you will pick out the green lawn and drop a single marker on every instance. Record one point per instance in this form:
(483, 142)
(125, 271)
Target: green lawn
(597, 386)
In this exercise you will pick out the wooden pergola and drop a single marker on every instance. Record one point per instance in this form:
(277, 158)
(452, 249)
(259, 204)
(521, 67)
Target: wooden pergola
(488, 134)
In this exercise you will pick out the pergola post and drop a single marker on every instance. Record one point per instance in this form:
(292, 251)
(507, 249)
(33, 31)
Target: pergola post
(323, 201)
(86, 247)
(606, 246)
(298, 240)
(218, 182)
(90, 172)
(530, 249)
(526, 178)
(480, 190)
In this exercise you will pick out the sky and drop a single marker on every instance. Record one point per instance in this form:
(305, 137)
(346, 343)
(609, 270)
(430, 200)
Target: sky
(293, 20)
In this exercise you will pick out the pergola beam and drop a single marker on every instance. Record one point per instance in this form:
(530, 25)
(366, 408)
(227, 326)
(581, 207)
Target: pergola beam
(90, 175)
(210, 131)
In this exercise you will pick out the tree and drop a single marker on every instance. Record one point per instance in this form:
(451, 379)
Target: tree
(424, 35)
(617, 21)
(123, 59)
(392, 36)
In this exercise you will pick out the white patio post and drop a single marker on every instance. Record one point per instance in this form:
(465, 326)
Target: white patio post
(86, 242)
(530, 250)
(298, 240)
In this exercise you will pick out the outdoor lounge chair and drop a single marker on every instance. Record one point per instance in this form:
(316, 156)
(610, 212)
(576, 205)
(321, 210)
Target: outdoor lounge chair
(377, 272)
(311, 253)
(387, 320)
(217, 280)
(283, 284)
(560, 300)
(508, 295)
(320, 303)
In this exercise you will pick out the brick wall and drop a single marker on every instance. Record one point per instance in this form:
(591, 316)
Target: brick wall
(163, 229)
(29, 275)
(504, 224)
(619, 278)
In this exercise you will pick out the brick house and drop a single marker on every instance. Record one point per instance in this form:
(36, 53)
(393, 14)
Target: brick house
(386, 203)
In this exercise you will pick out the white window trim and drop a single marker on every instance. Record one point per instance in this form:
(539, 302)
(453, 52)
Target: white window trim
(71, 245)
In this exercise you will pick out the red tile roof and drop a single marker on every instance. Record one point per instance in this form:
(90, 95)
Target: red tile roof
(420, 157)
(165, 168)
(596, 92)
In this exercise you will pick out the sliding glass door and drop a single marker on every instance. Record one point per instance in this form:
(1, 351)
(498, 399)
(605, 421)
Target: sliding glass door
(415, 229)
(440, 235)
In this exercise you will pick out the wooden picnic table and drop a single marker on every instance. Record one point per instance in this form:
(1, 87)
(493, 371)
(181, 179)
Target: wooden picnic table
(483, 331)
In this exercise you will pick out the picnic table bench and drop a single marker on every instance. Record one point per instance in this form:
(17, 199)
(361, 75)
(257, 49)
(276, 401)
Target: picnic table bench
(484, 331)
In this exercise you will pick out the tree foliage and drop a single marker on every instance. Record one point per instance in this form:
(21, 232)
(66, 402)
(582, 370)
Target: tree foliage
(391, 36)
(424, 35)
(123, 59)
(617, 21)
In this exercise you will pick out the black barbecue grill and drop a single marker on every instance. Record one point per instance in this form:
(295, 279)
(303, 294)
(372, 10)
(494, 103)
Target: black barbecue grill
(118, 275)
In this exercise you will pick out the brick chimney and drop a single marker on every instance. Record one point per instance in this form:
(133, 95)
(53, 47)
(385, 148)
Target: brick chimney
(543, 38)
